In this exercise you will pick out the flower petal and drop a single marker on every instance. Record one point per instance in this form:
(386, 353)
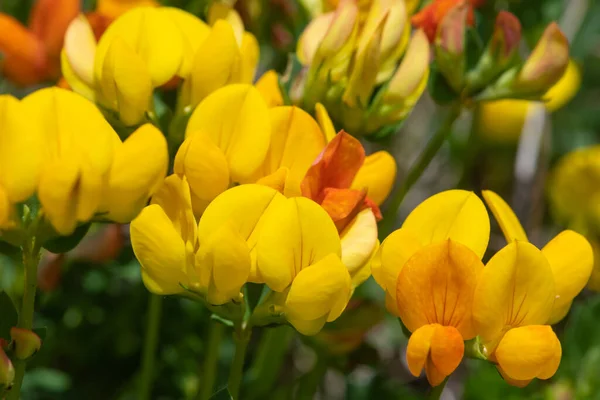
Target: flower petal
(268, 86)
(49, 21)
(19, 174)
(160, 251)
(529, 352)
(377, 175)
(236, 119)
(447, 349)
(359, 240)
(436, 285)
(393, 253)
(506, 218)
(515, 289)
(325, 122)
(79, 50)
(571, 258)
(296, 141)
(250, 53)
(205, 167)
(322, 289)
(454, 214)
(294, 235)
(225, 256)
(419, 346)
(138, 170)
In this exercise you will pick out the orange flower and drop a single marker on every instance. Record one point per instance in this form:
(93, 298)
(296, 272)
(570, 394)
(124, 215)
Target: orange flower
(329, 180)
(432, 15)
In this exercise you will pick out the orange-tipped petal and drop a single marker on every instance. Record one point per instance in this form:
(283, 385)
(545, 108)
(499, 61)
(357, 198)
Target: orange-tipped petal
(335, 167)
(342, 205)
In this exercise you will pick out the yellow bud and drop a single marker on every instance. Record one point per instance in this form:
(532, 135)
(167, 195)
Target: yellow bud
(546, 64)
(7, 371)
(27, 343)
(340, 29)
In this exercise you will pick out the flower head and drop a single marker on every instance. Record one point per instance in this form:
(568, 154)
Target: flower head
(430, 17)
(429, 270)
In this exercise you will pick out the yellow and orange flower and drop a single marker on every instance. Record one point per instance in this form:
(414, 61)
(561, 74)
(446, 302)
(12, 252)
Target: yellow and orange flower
(432, 15)
(429, 270)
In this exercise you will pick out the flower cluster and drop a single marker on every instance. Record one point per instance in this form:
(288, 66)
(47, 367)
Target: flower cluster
(74, 177)
(435, 281)
(351, 65)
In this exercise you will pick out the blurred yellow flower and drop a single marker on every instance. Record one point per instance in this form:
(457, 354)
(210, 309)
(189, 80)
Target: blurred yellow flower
(503, 120)
(429, 270)
(85, 171)
(568, 255)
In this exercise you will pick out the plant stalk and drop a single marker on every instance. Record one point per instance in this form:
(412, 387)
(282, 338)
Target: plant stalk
(209, 369)
(150, 346)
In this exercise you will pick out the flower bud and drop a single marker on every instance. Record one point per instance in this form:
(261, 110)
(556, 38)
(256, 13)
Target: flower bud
(501, 51)
(27, 343)
(546, 64)
(340, 30)
(7, 371)
(450, 46)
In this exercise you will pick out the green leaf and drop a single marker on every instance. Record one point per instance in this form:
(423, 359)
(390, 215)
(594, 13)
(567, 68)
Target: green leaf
(9, 315)
(62, 244)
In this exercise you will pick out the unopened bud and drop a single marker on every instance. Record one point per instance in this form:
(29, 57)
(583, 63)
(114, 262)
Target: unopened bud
(546, 64)
(342, 26)
(450, 45)
(26, 342)
(501, 51)
(7, 371)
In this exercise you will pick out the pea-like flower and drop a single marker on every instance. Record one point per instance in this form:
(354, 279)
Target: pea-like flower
(569, 256)
(347, 60)
(77, 165)
(148, 47)
(429, 270)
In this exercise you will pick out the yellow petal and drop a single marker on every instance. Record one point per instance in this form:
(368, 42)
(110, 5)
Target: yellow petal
(322, 289)
(5, 209)
(571, 258)
(154, 37)
(250, 53)
(236, 119)
(359, 240)
(193, 30)
(529, 352)
(268, 86)
(160, 251)
(173, 196)
(225, 258)
(296, 141)
(377, 175)
(419, 345)
(126, 84)
(393, 253)
(74, 82)
(277, 180)
(312, 36)
(515, 289)
(294, 234)
(506, 218)
(220, 12)
(20, 151)
(79, 51)
(436, 285)
(114, 8)
(205, 167)
(218, 62)
(138, 170)
(325, 122)
(565, 89)
(454, 214)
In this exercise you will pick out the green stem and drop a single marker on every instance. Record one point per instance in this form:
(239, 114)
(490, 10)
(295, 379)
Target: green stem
(242, 338)
(150, 346)
(265, 369)
(209, 370)
(436, 392)
(31, 259)
(310, 382)
(415, 172)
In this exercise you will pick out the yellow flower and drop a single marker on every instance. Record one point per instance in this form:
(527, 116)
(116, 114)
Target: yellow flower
(569, 256)
(268, 86)
(347, 60)
(513, 303)
(429, 269)
(86, 171)
(503, 120)
(20, 157)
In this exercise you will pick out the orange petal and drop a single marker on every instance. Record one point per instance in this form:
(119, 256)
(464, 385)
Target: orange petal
(447, 349)
(49, 21)
(335, 167)
(342, 205)
(24, 57)
(437, 284)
